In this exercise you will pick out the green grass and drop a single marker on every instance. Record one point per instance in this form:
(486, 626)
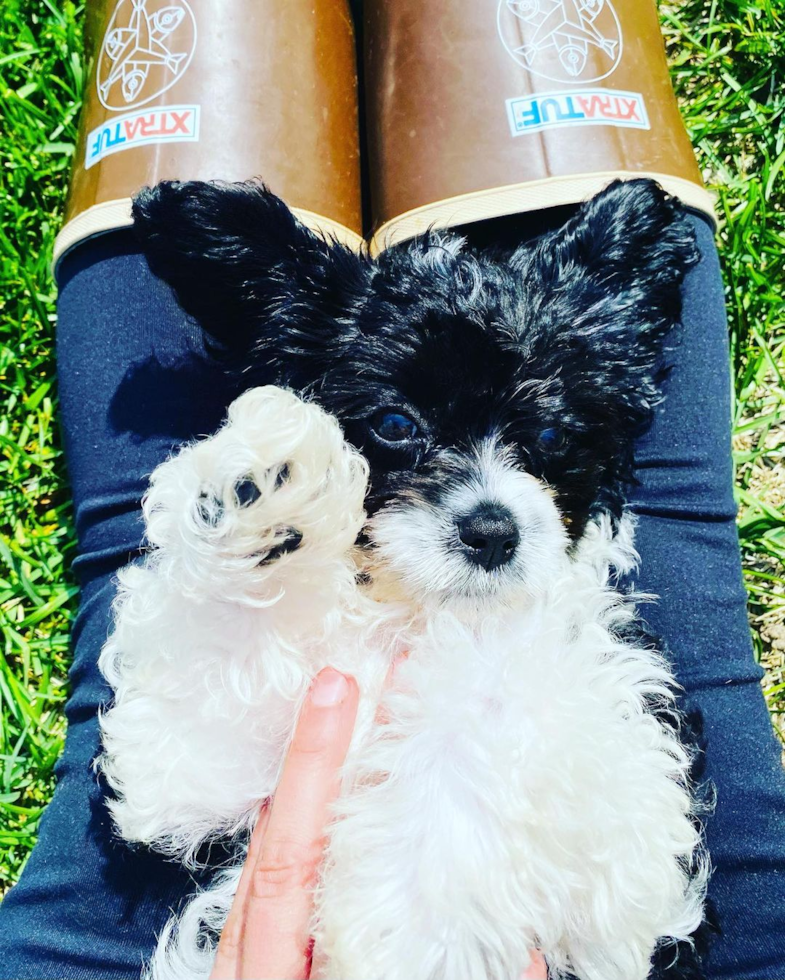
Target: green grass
(728, 62)
(40, 85)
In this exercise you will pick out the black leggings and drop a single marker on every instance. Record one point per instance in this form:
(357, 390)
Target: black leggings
(134, 383)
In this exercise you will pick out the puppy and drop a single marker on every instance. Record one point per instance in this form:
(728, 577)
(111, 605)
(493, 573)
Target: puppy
(447, 480)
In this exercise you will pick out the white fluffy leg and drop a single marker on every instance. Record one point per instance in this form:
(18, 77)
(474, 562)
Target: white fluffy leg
(519, 796)
(186, 947)
(206, 689)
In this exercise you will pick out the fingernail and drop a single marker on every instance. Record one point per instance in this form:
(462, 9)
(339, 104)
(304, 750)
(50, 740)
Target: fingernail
(329, 687)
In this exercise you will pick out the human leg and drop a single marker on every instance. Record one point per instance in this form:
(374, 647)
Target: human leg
(133, 385)
(690, 558)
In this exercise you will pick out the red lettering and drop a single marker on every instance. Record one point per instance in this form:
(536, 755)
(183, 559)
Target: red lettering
(179, 120)
(157, 124)
(132, 126)
(605, 108)
(596, 105)
(154, 125)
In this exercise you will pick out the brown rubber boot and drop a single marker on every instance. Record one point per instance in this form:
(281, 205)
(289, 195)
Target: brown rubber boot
(218, 89)
(483, 109)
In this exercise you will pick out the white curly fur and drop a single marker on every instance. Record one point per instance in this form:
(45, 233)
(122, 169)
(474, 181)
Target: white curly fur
(519, 794)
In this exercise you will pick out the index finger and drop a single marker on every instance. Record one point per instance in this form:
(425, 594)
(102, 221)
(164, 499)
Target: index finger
(278, 906)
(226, 965)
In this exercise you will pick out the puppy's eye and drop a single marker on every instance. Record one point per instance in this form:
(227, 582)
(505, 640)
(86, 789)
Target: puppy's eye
(551, 438)
(395, 427)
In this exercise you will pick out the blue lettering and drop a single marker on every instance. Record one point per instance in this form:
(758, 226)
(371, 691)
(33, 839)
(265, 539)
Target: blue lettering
(118, 137)
(561, 110)
(529, 117)
(104, 140)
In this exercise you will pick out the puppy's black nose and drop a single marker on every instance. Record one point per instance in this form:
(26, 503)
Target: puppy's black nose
(490, 535)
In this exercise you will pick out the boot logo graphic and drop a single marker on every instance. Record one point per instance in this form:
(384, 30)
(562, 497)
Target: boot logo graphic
(147, 47)
(562, 40)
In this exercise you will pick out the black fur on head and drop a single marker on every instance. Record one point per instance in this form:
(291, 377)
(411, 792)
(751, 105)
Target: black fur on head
(552, 354)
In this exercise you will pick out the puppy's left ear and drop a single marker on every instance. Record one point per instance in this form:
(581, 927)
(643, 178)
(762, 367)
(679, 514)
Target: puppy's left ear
(603, 292)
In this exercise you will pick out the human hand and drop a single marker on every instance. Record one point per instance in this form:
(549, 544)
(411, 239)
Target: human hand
(266, 933)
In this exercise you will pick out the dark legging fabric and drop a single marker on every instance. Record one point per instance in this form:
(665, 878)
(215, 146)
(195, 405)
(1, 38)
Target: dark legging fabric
(134, 384)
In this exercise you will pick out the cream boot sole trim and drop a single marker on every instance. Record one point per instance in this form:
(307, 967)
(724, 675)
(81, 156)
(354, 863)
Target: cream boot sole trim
(97, 220)
(328, 228)
(496, 202)
(114, 215)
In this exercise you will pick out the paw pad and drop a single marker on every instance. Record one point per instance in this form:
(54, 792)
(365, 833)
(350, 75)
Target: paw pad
(246, 492)
(283, 476)
(290, 543)
(209, 508)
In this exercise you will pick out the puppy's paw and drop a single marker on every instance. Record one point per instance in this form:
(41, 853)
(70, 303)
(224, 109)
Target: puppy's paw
(303, 486)
(276, 485)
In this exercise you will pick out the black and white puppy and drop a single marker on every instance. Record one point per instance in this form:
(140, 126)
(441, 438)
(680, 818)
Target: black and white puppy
(531, 786)
(428, 353)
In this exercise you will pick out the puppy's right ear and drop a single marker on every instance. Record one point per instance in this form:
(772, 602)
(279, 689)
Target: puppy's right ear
(239, 260)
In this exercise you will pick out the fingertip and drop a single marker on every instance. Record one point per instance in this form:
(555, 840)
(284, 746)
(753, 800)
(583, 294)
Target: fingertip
(330, 687)
(328, 715)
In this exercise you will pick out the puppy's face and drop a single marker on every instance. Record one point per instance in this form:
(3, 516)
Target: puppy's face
(495, 400)
(480, 470)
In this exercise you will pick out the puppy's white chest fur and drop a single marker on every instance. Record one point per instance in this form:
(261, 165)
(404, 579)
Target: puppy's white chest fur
(520, 793)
